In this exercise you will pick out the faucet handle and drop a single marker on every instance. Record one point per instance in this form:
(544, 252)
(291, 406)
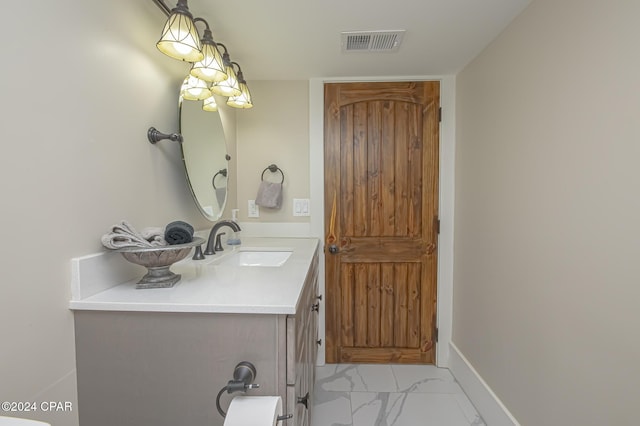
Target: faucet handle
(218, 246)
(198, 253)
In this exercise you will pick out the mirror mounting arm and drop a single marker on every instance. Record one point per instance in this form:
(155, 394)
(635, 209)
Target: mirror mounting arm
(155, 136)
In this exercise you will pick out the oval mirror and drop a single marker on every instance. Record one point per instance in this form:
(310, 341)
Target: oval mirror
(204, 154)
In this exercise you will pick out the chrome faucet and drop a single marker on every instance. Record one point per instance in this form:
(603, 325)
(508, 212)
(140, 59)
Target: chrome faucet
(214, 231)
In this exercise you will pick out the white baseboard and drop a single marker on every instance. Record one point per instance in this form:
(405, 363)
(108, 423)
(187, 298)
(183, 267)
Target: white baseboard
(486, 402)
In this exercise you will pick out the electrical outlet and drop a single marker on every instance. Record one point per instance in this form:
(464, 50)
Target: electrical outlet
(252, 209)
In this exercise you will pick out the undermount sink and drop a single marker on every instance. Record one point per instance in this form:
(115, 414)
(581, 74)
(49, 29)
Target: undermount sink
(246, 257)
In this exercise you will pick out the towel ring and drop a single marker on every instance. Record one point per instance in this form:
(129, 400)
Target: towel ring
(222, 172)
(273, 168)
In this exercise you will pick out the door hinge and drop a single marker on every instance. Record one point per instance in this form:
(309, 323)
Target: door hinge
(440, 114)
(437, 225)
(435, 334)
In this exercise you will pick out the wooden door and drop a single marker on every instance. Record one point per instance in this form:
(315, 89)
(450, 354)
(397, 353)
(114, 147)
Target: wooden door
(381, 198)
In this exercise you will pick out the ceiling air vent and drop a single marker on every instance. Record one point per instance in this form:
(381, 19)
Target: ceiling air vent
(371, 41)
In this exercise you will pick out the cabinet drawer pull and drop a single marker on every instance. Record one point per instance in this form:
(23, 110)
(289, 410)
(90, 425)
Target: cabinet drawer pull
(315, 307)
(304, 400)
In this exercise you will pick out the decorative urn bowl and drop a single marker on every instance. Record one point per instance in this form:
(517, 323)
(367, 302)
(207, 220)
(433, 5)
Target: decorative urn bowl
(158, 261)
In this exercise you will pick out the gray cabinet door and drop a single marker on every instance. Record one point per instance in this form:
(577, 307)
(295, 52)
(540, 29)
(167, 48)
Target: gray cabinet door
(302, 350)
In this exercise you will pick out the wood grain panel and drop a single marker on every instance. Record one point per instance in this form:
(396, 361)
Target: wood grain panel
(360, 175)
(413, 304)
(408, 92)
(415, 154)
(332, 156)
(428, 306)
(346, 170)
(387, 298)
(430, 173)
(401, 303)
(373, 301)
(387, 170)
(347, 284)
(383, 249)
(373, 161)
(382, 356)
(402, 172)
(360, 306)
(381, 163)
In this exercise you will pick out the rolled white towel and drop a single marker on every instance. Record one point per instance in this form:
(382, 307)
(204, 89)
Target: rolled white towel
(125, 235)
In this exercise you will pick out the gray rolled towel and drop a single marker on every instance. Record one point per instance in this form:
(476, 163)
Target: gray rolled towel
(178, 232)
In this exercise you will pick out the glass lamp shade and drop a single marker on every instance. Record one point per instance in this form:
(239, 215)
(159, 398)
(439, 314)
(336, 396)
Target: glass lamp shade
(228, 87)
(182, 90)
(180, 38)
(210, 104)
(194, 89)
(243, 100)
(211, 67)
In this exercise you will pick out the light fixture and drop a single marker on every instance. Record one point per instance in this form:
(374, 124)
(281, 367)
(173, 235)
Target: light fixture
(243, 100)
(179, 38)
(194, 89)
(230, 86)
(211, 67)
(210, 104)
(210, 73)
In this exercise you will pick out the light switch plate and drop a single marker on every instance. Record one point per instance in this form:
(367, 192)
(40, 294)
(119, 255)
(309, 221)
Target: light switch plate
(301, 207)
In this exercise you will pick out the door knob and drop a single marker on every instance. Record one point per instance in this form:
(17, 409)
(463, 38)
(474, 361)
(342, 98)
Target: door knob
(333, 249)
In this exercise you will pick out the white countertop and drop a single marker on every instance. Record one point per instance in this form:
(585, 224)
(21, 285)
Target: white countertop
(209, 286)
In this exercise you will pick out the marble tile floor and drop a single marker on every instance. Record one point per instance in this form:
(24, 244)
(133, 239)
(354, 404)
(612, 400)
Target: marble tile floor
(390, 395)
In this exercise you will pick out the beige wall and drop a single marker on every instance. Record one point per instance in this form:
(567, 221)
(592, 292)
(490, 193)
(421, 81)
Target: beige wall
(81, 82)
(275, 130)
(547, 239)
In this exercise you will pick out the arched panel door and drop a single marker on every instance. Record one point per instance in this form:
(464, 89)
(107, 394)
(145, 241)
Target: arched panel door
(381, 198)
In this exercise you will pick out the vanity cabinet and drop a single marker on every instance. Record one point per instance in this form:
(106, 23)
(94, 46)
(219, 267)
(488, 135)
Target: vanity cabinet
(166, 368)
